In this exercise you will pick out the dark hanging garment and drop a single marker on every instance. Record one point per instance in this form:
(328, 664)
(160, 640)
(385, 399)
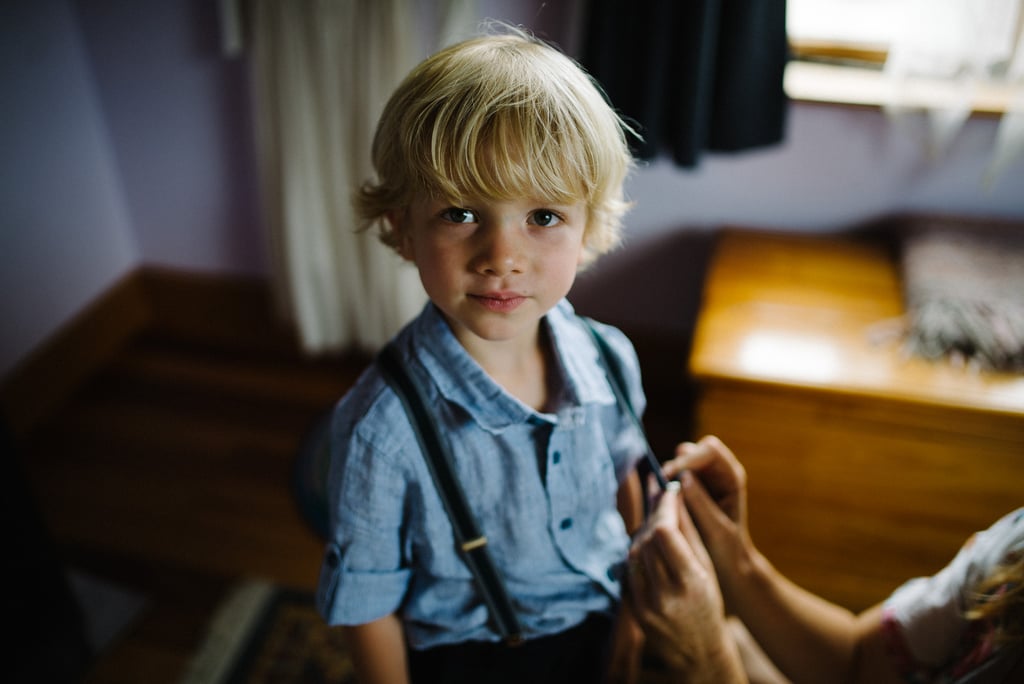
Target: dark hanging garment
(691, 75)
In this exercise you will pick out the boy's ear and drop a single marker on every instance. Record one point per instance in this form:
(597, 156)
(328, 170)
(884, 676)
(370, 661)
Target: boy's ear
(396, 219)
(584, 254)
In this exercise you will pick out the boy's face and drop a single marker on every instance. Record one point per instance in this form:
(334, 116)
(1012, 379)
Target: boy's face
(494, 268)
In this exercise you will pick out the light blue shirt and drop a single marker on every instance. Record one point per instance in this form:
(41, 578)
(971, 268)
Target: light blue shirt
(542, 487)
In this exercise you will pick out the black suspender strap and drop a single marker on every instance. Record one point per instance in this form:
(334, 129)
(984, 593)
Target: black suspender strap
(618, 383)
(471, 541)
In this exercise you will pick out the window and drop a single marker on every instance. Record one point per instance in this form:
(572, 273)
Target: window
(860, 30)
(840, 47)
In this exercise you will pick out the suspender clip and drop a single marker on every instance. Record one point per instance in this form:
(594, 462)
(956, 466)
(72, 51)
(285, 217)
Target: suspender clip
(468, 546)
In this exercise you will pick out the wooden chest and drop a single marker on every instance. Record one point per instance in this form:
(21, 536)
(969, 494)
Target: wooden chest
(865, 467)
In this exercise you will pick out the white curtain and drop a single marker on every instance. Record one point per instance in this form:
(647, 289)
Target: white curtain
(323, 70)
(960, 45)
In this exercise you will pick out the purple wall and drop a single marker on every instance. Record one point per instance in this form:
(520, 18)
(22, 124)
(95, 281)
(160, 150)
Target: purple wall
(65, 233)
(182, 132)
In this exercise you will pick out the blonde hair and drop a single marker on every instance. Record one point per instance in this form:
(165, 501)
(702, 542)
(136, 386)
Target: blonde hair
(501, 116)
(999, 598)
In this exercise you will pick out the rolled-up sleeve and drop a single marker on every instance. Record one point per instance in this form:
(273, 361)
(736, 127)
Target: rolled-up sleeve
(353, 597)
(364, 575)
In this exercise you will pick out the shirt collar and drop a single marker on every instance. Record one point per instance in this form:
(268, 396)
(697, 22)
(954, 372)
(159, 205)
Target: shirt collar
(461, 380)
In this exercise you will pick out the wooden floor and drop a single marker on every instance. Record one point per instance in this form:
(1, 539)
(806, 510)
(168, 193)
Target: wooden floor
(168, 473)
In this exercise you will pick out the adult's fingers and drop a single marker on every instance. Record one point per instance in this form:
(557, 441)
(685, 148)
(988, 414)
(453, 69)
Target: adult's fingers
(716, 527)
(715, 464)
(721, 473)
(675, 466)
(669, 553)
(712, 456)
(668, 517)
(687, 526)
(663, 520)
(654, 568)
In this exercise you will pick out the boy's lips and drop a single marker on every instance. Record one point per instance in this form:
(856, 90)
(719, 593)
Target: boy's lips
(501, 302)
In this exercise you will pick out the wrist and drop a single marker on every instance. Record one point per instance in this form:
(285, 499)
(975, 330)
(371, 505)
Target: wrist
(743, 576)
(720, 664)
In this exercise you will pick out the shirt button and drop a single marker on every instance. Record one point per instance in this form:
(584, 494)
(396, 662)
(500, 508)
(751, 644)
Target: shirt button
(566, 523)
(556, 457)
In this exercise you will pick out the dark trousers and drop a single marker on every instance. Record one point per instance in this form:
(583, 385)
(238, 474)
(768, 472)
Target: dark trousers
(579, 654)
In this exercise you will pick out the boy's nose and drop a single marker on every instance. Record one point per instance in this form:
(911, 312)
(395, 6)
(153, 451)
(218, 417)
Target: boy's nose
(501, 253)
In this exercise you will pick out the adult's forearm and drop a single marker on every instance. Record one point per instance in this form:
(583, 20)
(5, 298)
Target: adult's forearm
(807, 637)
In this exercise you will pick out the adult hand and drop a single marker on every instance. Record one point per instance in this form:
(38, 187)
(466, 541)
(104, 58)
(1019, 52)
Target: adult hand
(674, 595)
(715, 488)
(719, 471)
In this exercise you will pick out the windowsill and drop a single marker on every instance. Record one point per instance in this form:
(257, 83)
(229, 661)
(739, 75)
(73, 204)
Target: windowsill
(865, 87)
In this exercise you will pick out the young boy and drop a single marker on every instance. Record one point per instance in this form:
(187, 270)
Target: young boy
(499, 174)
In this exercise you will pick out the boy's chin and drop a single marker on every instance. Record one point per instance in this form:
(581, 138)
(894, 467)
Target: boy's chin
(492, 327)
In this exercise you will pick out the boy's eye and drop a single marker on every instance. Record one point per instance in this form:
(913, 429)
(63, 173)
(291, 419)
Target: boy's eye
(545, 218)
(458, 215)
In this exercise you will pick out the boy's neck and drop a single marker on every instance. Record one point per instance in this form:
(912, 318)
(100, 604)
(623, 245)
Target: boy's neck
(522, 370)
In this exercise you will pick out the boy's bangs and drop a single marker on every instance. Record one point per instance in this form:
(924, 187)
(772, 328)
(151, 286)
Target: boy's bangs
(512, 153)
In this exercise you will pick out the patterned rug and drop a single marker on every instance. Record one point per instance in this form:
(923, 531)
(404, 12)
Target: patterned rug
(262, 633)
